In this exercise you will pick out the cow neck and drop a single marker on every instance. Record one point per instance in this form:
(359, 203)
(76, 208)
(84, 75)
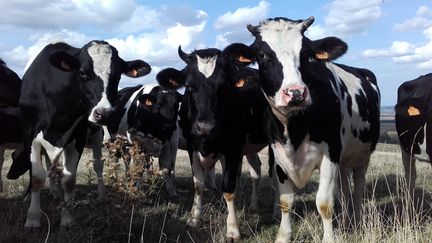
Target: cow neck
(278, 113)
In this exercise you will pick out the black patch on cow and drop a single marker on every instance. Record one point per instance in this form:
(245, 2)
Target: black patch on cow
(281, 174)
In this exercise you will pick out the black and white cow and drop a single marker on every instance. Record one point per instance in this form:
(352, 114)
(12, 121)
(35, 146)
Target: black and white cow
(10, 129)
(63, 90)
(413, 125)
(329, 112)
(152, 110)
(221, 114)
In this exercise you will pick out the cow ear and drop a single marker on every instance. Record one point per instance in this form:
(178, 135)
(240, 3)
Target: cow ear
(64, 61)
(239, 53)
(137, 68)
(329, 48)
(147, 100)
(171, 78)
(410, 107)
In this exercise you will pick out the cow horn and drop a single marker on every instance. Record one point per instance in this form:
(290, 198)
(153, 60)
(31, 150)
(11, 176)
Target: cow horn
(252, 29)
(308, 22)
(183, 55)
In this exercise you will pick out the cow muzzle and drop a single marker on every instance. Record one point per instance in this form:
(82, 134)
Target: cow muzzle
(295, 96)
(202, 128)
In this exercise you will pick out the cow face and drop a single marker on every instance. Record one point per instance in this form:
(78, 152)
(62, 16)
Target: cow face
(98, 68)
(204, 75)
(285, 56)
(158, 110)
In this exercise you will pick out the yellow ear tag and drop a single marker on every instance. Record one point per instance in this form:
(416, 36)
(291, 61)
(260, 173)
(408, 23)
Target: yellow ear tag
(64, 65)
(148, 102)
(240, 83)
(133, 73)
(173, 82)
(244, 59)
(322, 55)
(412, 111)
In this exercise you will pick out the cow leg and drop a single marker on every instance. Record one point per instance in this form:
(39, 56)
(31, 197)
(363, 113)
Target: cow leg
(345, 195)
(38, 180)
(254, 164)
(98, 163)
(286, 201)
(210, 179)
(410, 173)
(410, 177)
(54, 181)
(231, 166)
(198, 179)
(1, 168)
(325, 195)
(71, 157)
(166, 164)
(359, 178)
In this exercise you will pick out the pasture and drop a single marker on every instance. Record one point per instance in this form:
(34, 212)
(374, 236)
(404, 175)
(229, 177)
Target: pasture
(150, 218)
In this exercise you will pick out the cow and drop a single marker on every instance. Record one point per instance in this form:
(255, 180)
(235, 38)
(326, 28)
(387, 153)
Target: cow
(412, 115)
(329, 114)
(10, 86)
(152, 110)
(221, 114)
(63, 91)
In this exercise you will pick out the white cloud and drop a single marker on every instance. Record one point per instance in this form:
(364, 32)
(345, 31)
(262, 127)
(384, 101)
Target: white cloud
(348, 17)
(420, 21)
(315, 32)
(243, 16)
(182, 35)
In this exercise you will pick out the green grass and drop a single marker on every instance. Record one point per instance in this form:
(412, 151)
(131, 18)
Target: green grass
(150, 218)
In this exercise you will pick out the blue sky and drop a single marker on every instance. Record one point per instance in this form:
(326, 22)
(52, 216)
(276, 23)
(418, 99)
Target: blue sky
(393, 38)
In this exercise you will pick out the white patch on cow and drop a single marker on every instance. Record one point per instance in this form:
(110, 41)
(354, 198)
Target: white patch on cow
(101, 55)
(206, 65)
(285, 39)
(356, 122)
(299, 164)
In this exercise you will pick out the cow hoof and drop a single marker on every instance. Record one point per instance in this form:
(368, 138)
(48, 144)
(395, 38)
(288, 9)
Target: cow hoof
(32, 224)
(233, 237)
(194, 222)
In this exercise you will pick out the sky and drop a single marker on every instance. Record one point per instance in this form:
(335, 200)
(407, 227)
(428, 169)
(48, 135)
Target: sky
(392, 38)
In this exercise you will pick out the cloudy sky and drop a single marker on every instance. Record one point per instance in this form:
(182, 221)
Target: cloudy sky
(393, 38)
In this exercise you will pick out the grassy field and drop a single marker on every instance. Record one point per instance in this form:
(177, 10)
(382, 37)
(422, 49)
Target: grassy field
(150, 218)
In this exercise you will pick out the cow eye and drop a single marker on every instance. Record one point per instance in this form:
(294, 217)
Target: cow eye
(263, 57)
(83, 75)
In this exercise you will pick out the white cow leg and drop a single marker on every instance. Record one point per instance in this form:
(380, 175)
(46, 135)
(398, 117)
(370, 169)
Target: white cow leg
(286, 201)
(233, 231)
(359, 177)
(98, 163)
(1, 168)
(38, 180)
(198, 178)
(254, 164)
(70, 157)
(325, 196)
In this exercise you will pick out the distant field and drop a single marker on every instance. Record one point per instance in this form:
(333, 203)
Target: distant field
(155, 220)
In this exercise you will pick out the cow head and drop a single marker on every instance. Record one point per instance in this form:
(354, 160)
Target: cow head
(157, 111)
(213, 81)
(286, 58)
(98, 68)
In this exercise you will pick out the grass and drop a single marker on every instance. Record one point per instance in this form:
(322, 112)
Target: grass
(151, 218)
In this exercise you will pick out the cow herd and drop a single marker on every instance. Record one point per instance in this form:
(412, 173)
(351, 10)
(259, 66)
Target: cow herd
(311, 113)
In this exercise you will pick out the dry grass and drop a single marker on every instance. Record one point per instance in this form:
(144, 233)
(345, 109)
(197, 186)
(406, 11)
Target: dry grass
(151, 218)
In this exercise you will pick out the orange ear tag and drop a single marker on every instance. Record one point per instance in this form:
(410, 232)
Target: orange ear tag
(244, 59)
(173, 82)
(322, 55)
(148, 102)
(412, 111)
(133, 73)
(240, 83)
